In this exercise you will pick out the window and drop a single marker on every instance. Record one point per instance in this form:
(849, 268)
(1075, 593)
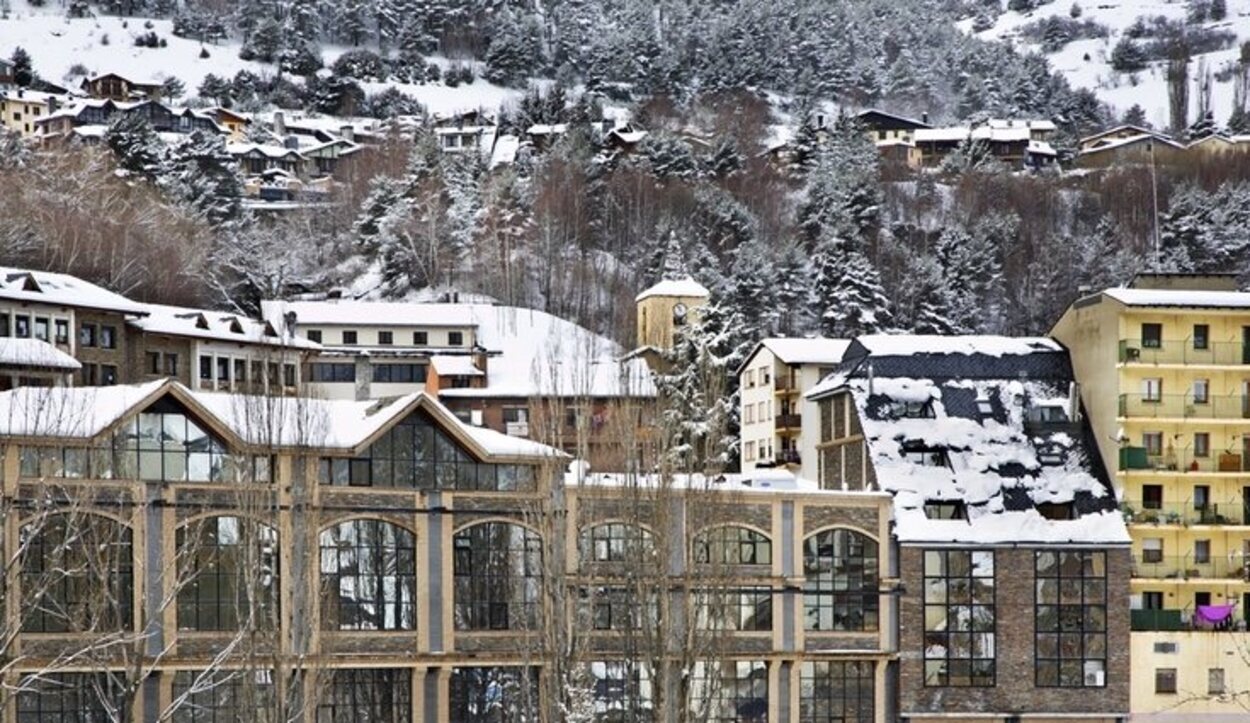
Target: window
(748, 449)
(616, 542)
(153, 363)
(368, 577)
(399, 373)
(1056, 510)
(108, 337)
(288, 375)
(1152, 389)
(314, 335)
(750, 377)
(69, 698)
(1152, 497)
(235, 564)
(221, 696)
(455, 338)
(21, 327)
(1152, 600)
(840, 589)
(1202, 336)
(497, 573)
(349, 337)
(1202, 551)
(359, 695)
(1153, 442)
(64, 565)
(223, 369)
(420, 338)
(1202, 391)
(240, 371)
(1071, 619)
(837, 692)
(42, 329)
(944, 510)
(1215, 681)
(386, 338)
(1165, 680)
(90, 374)
(745, 609)
(4, 324)
(329, 372)
(86, 334)
(616, 608)
(725, 691)
(748, 414)
(622, 690)
(1202, 496)
(62, 331)
(108, 375)
(959, 618)
(493, 695)
(163, 443)
(415, 454)
(732, 545)
(1152, 336)
(765, 376)
(1202, 444)
(1152, 549)
(206, 367)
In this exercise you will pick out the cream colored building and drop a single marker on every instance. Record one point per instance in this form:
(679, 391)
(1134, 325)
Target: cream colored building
(665, 307)
(780, 427)
(1164, 370)
(19, 109)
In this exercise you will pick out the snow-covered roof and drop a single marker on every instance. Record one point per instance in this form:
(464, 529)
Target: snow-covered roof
(1042, 148)
(760, 481)
(1114, 143)
(876, 111)
(807, 351)
(939, 135)
(215, 326)
(68, 412)
(46, 287)
(1036, 125)
(505, 150)
(935, 434)
(31, 96)
(1182, 298)
(989, 345)
(369, 313)
(265, 149)
(34, 353)
(546, 129)
(447, 365)
(628, 137)
(683, 287)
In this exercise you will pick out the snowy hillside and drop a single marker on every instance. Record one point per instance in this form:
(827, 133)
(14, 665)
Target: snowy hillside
(106, 43)
(1147, 88)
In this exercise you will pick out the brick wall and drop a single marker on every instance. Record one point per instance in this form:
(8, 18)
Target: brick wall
(1015, 691)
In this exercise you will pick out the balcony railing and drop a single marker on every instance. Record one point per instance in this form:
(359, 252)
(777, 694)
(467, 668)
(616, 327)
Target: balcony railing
(1183, 461)
(1184, 406)
(1229, 513)
(786, 383)
(789, 456)
(789, 421)
(1180, 621)
(1182, 351)
(1186, 567)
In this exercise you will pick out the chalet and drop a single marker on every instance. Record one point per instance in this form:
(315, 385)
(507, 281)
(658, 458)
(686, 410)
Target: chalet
(468, 131)
(114, 86)
(234, 123)
(324, 158)
(1015, 143)
(623, 140)
(1216, 144)
(1118, 133)
(1001, 506)
(883, 126)
(1140, 149)
(256, 158)
(87, 119)
(543, 135)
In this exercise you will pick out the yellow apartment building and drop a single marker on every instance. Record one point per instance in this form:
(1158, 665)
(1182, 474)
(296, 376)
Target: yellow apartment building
(1164, 371)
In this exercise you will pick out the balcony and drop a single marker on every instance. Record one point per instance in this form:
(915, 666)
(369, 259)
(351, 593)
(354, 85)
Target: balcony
(789, 421)
(786, 384)
(1180, 621)
(1182, 351)
(1235, 407)
(1185, 567)
(789, 456)
(1183, 461)
(1229, 513)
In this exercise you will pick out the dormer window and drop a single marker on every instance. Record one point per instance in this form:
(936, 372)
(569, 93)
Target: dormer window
(923, 454)
(1057, 510)
(945, 510)
(911, 410)
(235, 326)
(984, 406)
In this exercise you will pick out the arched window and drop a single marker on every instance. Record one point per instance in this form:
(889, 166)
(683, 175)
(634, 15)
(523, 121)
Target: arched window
(840, 592)
(498, 576)
(732, 545)
(77, 574)
(368, 577)
(616, 542)
(229, 573)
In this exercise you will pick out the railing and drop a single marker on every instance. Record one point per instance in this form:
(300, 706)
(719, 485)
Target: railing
(786, 383)
(789, 456)
(1184, 406)
(1179, 621)
(1229, 513)
(1182, 351)
(1183, 461)
(789, 421)
(1186, 567)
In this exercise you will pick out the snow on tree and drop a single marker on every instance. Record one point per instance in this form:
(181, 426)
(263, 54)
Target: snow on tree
(844, 190)
(23, 67)
(972, 272)
(1127, 56)
(204, 177)
(1135, 116)
(513, 50)
(848, 294)
(137, 147)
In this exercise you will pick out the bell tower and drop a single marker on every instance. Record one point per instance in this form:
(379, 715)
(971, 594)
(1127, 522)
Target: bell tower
(664, 308)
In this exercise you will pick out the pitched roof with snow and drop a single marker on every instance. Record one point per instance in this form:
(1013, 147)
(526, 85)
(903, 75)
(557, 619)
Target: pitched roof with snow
(1181, 298)
(45, 287)
(215, 326)
(683, 287)
(447, 365)
(987, 425)
(801, 351)
(35, 353)
(369, 313)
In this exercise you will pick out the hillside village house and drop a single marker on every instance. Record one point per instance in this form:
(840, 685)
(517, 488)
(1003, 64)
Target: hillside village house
(1010, 560)
(7, 79)
(87, 120)
(117, 87)
(778, 427)
(21, 108)
(1015, 142)
(518, 371)
(1164, 366)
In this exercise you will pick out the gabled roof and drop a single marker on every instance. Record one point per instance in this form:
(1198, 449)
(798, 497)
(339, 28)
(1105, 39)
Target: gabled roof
(46, 287)
(683, 287)
(998, 442)
(1134, 130)
(872, 115)
(1132, 141)
(818, 350)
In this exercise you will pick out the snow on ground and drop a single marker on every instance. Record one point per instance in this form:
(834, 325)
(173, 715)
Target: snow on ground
(57, 43)
(1119, 89)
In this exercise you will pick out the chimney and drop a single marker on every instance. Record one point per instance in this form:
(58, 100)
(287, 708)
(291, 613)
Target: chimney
(348, 133)
(924, 118)
(53, 105)
(279, 124)
(1074, 402)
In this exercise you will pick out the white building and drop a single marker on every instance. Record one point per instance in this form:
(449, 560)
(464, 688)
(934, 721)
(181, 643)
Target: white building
(779, 427)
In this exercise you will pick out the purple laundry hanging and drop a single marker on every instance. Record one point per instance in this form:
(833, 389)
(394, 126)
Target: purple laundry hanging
(1212, 614)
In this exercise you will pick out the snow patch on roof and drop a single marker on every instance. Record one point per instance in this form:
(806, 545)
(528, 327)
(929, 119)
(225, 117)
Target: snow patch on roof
(448, 365)
(1181, 298)
(16, 352)
(68, 412)
(807, 351)
(214, 325)
(685, 287)
(989, 345)
(46, 287)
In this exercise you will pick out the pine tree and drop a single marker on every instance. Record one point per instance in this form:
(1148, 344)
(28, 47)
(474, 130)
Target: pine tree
(848, 292)
(513, 51)
(23, 67)
(1127, 56)
(203, 176)
(352, 22)
(697, 395)
(793, 272)
(1135, 116)
(136, 146)
(384, 195)
(972, 272)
